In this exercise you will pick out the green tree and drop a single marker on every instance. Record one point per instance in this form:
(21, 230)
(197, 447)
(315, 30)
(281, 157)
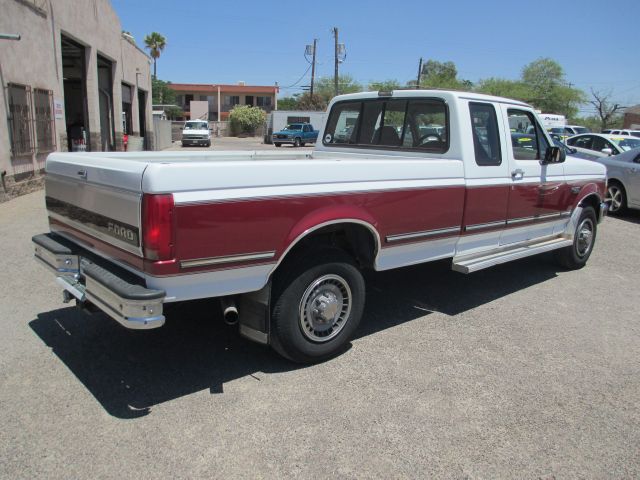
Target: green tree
(288, 103)
(155, 43)
(161, 93)
(245, 118)
(502, 87)
(307, 102)
(324, 86)
(550, 91)
(384, 86)
(437, 74)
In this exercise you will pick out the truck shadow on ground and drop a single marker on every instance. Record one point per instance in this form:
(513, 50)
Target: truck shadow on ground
(129, 372)
(632, 216)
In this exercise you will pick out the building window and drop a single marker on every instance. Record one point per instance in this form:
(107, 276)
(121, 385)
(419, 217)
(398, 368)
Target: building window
(21, 136)
(263, 101)
(232, 100)
(45, 123)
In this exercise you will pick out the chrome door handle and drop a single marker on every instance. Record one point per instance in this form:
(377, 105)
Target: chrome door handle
(517, 174)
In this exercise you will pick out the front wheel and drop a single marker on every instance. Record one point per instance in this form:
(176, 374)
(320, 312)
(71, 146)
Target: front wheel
(575, 256)
(296, 142)
(317, 307)
(278, 144)
(616, 198)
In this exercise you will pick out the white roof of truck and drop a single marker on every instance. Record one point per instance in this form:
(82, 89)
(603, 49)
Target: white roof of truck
(434, 92)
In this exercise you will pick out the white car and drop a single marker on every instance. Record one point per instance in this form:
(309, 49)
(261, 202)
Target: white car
(575, 129)
(634, 133)
(602, 145)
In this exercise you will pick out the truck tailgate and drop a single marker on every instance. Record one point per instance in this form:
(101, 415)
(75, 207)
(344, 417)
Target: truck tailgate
(97, 195)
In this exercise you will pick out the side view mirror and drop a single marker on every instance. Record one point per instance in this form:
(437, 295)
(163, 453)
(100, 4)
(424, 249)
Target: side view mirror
(607, 150)
(554, 155)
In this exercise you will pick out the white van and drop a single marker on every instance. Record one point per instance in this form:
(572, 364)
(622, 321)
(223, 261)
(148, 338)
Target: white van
(196, 132)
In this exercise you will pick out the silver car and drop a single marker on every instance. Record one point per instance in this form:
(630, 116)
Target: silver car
(623, 185)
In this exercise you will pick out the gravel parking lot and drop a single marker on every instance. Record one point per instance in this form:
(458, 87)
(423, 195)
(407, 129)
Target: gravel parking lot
(521, 371)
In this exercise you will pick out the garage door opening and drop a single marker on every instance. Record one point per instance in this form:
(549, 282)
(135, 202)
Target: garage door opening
(105, 94)
(74, 76)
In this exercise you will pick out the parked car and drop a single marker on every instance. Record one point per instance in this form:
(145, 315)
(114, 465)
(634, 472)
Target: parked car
(297, 134)
(282, 239)
(562, 133)
(602, 145)
(634, 133)
(623, 180)
(196, 132)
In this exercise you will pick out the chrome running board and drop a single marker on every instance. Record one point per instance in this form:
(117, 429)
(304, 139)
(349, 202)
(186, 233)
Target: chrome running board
(479, 261)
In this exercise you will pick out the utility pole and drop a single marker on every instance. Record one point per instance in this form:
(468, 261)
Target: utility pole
(313, 68)
(335, 75)
(419, 74)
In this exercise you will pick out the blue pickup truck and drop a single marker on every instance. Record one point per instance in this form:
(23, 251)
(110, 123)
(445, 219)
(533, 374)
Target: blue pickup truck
(297, 134)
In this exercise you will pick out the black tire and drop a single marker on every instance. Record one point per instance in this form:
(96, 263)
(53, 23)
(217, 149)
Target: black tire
(296, 142)
(302, 144)
(616, 197)
(575, 256)
(328, 278)
(278, 144)
(208, 144)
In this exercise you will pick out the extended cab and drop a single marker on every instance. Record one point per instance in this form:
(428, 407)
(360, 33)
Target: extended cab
(397, 179)
(297, 134)
(196, 132)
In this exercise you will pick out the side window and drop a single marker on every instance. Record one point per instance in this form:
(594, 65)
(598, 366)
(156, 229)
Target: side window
(581, 142)
(598, 144)
(527, 140)
(342, 127)
(486, 137)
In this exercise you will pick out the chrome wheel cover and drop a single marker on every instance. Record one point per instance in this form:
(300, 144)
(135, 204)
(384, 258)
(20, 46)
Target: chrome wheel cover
(325, 307)
(614, 198)
(584, 237)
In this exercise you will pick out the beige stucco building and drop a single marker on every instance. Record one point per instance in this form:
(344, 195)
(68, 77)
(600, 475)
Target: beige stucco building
(73, 81)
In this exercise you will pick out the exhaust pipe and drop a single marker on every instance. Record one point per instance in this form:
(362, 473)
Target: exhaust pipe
(229, 311)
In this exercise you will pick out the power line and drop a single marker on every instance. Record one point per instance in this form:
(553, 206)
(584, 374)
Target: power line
(300, 79)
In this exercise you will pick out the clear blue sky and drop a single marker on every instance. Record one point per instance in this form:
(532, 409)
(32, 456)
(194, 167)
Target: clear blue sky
(262, 42)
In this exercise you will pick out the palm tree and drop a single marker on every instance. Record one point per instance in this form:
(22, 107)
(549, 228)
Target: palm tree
(155, 42)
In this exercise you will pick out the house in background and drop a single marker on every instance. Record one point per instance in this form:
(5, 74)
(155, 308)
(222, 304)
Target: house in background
(74, 81)
(632, 118)
(222, 98)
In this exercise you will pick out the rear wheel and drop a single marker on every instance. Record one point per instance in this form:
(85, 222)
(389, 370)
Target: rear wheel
(317, 306)
(575, 256)
(616, 197)
(278, 144)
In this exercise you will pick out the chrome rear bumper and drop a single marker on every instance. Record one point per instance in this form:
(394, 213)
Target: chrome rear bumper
(115, 293)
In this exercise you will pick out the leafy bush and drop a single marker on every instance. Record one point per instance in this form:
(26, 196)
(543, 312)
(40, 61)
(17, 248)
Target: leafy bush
(245, 119)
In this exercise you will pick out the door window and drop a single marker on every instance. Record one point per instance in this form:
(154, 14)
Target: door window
(527, 140)
(581, 142)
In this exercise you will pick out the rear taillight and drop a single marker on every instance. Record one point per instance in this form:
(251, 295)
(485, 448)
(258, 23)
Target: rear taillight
(157, 226)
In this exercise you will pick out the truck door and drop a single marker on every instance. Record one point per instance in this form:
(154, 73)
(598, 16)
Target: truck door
(537, 193)
(486, 177)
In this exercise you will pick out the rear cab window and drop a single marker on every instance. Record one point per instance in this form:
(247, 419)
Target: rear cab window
(413, 124)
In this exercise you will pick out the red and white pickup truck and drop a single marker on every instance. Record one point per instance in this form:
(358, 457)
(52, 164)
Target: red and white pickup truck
(397, 178)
